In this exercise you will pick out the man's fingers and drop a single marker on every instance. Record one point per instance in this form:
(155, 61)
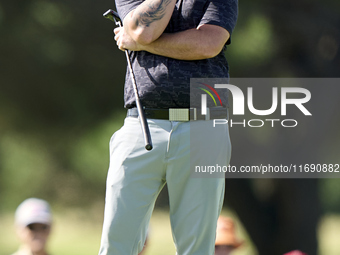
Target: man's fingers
(119, 42)
(117, 38)
(116, 30)
(120, 45)
(123, 40)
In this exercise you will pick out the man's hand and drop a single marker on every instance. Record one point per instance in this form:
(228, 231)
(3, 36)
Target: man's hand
(124, 40)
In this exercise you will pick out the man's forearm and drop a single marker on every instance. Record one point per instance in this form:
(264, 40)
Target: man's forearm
(149, 20)
(193, 44)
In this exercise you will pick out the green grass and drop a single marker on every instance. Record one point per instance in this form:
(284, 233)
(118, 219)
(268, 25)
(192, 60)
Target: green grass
(77, 232)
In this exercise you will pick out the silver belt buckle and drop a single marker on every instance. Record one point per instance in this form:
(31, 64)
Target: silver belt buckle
(179, 114)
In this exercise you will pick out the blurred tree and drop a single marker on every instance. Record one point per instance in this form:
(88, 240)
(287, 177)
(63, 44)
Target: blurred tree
(61, 82)
(284, 39)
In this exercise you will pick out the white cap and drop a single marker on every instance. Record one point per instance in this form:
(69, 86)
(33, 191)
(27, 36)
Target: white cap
(33, 210)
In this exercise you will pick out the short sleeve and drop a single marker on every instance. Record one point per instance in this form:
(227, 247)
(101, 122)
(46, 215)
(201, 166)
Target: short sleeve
(222, 13)
(125, 6)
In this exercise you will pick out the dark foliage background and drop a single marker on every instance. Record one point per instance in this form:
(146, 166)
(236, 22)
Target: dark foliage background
(61, 87)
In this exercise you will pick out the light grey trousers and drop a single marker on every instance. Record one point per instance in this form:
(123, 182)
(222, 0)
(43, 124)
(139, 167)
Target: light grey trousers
(136, 176)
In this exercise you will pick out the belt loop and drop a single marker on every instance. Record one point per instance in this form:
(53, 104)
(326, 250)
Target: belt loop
(207, 116)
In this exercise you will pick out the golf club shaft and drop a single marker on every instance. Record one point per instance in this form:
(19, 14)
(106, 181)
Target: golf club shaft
(141, 114)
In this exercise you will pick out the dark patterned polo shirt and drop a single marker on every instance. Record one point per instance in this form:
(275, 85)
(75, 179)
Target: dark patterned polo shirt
(165, 82)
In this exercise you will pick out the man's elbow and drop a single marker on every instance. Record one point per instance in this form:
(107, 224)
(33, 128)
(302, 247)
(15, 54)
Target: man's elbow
(142, 36)
(212, 51)
(216, 37)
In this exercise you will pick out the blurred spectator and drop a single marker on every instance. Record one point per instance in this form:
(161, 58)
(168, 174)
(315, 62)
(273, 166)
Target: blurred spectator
(296, 252)
(33, 220)
(226, 240)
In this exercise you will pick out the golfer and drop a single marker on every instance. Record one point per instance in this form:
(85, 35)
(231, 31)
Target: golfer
(170, 41)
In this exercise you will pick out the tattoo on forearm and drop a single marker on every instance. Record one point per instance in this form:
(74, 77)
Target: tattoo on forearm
(156, 12)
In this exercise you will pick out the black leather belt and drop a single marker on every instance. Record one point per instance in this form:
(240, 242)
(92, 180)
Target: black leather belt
(181, 114)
